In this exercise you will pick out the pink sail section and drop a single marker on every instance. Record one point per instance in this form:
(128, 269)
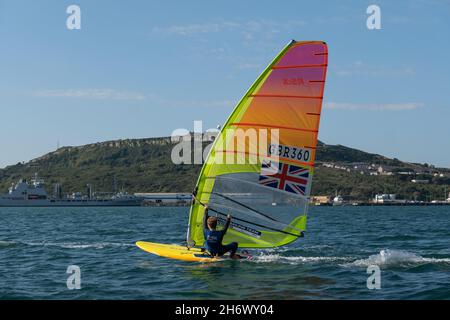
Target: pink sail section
(303, 54)
(290, 98)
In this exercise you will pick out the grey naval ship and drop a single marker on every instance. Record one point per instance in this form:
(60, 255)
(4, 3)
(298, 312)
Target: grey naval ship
(24, 194)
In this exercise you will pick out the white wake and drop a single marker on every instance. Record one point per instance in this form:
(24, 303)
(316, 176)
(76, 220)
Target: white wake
(389, 258)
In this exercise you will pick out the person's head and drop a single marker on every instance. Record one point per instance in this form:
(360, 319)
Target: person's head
(212, 223)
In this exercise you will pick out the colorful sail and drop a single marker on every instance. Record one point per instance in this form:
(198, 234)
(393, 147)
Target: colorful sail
(260, 166)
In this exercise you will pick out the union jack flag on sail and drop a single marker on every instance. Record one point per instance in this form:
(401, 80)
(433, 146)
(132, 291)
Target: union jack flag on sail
(285, 177)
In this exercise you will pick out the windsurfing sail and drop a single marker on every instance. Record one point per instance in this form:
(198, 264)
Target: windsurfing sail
(260, 166)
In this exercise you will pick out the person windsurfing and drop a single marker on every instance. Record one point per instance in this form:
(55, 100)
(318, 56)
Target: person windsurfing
(213, 237)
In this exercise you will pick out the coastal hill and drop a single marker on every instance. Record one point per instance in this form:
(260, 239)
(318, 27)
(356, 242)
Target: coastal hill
(144, 165)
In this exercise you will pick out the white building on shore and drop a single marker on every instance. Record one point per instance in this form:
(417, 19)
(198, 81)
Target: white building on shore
(384, 198)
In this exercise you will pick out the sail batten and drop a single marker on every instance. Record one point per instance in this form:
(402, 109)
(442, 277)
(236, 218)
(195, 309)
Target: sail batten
(265, 185)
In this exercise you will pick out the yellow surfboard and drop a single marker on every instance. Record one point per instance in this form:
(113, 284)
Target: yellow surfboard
(172, 251)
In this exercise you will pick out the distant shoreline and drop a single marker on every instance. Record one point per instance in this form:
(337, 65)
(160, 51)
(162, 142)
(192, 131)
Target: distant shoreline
(371, 204)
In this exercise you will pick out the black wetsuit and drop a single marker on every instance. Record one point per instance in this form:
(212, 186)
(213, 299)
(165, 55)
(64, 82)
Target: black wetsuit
(213, 239)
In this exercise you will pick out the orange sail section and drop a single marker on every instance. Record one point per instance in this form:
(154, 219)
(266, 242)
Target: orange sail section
(290, 99)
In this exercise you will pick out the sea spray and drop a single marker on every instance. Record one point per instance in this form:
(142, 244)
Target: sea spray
(395, 258)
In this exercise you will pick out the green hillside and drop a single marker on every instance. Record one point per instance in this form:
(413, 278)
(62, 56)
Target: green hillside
(144, 165)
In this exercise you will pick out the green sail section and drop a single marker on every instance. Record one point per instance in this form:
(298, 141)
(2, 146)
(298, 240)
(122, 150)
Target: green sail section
(265, 186)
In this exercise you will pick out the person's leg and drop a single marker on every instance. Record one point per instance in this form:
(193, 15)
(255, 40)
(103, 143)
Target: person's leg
(231, 247)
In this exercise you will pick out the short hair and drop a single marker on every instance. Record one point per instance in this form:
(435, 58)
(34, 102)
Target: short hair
(212, 222)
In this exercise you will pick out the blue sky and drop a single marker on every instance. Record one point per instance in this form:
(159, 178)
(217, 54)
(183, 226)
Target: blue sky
(143, 69)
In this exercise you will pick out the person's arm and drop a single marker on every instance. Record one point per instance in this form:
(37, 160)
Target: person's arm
(205, 217)
(227, 224)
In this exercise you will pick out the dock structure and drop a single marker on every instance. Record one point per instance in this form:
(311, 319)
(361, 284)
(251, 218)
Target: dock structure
(172, 199)
(165, 199)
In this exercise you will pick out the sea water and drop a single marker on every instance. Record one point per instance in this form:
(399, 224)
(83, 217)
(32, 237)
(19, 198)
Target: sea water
(410, 245)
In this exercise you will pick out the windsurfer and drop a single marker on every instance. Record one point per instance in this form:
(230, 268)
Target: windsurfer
(213, 237)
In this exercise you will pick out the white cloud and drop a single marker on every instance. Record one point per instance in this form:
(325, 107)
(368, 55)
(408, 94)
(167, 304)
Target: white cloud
(373, 107)
(362, 69)
(173, 103)
(248, 65)
(97, 94)
(187, 30)
(152, 99)
(259, 37)
(247, 28)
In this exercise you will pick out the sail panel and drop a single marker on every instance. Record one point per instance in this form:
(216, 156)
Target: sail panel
(303, 54)
(299, 115)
